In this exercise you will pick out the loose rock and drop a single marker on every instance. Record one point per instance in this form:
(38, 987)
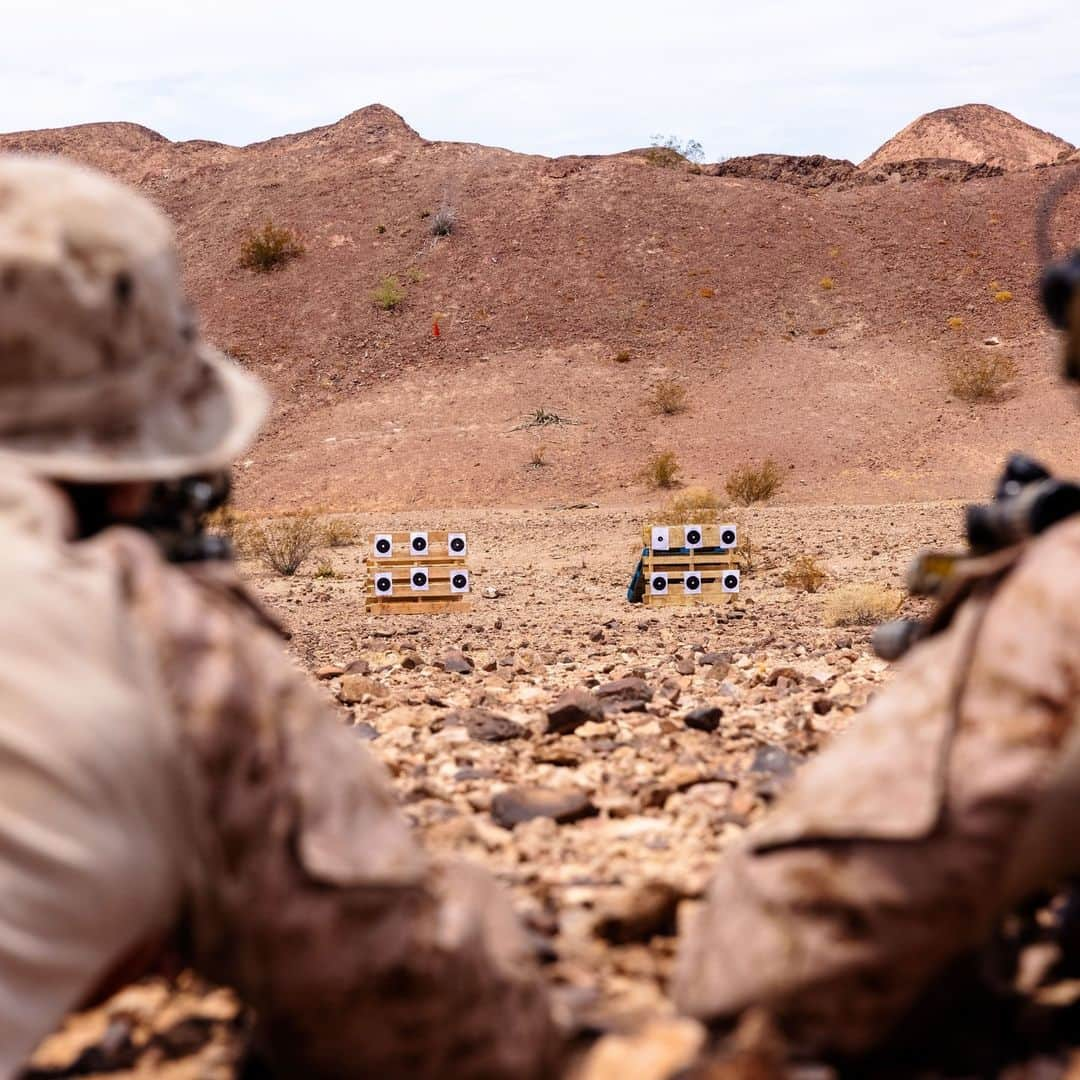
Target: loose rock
(512, 807)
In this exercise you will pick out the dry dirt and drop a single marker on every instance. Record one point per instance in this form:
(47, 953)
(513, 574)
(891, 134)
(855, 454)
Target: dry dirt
(601, 894)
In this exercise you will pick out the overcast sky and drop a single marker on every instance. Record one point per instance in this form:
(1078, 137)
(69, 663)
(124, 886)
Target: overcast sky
(591, 76)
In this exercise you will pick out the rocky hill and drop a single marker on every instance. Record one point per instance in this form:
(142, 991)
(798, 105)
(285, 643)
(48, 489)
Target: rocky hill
(979, 134)
(808, 323)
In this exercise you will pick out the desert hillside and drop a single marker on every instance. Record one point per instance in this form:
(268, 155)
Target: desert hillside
(809, 322)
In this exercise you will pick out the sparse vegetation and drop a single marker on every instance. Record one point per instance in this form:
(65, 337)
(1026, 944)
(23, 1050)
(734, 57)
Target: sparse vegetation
(326, 569)
(691, 150)
(539, 457)
(662, 470)
(983, 376)
(805, 574)
(694, 506)
(668, 398)
(543, 418)
(622, 356)
(956, 323)
(388, 294)
(860, 605)
(337, 532)
(269, 248)
(283, 544)
(706, 293)
(380, 229)
(827, 283)
(1003, 296)
(754, 483)
(444, 221)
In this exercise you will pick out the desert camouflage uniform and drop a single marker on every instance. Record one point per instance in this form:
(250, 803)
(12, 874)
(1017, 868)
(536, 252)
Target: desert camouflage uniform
(954, 796)
(167, 775)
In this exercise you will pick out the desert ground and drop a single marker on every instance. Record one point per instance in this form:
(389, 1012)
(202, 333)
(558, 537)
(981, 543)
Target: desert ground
(810, 309)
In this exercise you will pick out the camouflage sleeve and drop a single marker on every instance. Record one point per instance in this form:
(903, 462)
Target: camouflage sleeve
(359, 954)
(897, 850)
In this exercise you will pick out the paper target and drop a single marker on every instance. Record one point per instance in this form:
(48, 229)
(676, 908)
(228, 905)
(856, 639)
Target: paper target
(384, 584)
(459, 581)
(384, 545)
(418, 543)
(419, 579)
(692, 584)
(658, 585)
(729, 536)
(661, 540)
(694, 536)
(456, 544)
(730, 581)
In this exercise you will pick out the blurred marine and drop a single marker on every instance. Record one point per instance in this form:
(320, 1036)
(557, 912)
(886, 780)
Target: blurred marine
(952, 802)
(169, 781)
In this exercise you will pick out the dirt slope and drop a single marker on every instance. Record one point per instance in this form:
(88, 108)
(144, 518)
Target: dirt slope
(979, 134)
(555, 268)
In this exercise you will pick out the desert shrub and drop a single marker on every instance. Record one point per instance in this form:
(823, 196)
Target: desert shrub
(538, 458)
(753, 484)
(269, 248)
(980, 376)
(443, 221)
(860, 605)
(694, 506)
(691, 150)
(707, 293)
(956, 323)
(283, 544)
(662, 470)
(543, 418)
(337, 532)
(827, 283)
(388, 294)
(622, 356)
(668, 398)
(325, 569)
(380, 229)
(1003, 296)
(805, 574)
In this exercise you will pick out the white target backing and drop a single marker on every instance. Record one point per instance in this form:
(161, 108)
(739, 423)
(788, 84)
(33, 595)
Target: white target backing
(694, 536)
(730, 581)
(457, 544)
(661, 539)
(418, 543)
(459, 581)
(692, 584)
(658, 585)
(383, 545)
(384, 584)
(419, 579)
(728, 536)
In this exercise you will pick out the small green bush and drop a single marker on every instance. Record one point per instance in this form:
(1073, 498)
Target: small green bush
(388, 294)
(662, 470)
(754, 483)
(269, 248)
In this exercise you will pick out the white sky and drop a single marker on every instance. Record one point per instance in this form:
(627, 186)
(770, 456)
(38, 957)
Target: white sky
(827, 76)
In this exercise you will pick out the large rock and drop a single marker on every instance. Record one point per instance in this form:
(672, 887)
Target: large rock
(486, 726)
(354, 688)
(571, 710)
(512, 807)
(704, 718)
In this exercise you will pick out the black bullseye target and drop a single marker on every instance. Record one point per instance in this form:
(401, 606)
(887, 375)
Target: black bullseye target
(730, 581)
(384, 545)
(459, 581)
(694, 536)
(661, 538)
(658, 586)
(456, 543)
(420, 579)
(729, 536)
(418, 543)
(692, 584)
(384, 584)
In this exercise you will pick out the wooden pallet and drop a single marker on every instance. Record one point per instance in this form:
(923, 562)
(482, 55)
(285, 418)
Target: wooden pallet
(711, 563)
(397, 557)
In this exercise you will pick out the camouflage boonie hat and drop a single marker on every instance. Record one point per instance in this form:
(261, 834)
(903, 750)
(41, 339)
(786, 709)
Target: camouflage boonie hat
(103, 374)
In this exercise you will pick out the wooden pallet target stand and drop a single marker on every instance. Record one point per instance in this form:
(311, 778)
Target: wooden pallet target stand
(685, 565)
(418, 572)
